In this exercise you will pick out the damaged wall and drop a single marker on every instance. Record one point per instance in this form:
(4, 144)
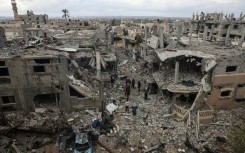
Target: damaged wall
(2, 35)
(227, 90)
(32, 76)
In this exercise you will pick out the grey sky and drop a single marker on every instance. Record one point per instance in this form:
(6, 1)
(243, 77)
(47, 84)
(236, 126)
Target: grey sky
(167, 8)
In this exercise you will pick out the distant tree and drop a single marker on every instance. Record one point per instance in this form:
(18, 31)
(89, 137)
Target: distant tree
(66, 14)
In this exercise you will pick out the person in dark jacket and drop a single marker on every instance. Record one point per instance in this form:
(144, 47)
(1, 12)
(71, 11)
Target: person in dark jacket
(139, 85)
(134, 109)
(146, 94)
(133, 83)
(127, 91)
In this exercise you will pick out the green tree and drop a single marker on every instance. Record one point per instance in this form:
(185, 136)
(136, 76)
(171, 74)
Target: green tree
(66, 14)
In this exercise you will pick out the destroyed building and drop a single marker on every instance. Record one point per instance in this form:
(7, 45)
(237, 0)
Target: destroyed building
(183, 73)
(218, 27)
(69, 78)
(30, 17)
(72, 25)
(30, 80)
(2, 35)
(35, 79)
(228, 81)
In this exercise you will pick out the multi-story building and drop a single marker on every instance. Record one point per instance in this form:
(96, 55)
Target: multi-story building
(217, 27)
(39, 78)
(31, 80)
(228, 81)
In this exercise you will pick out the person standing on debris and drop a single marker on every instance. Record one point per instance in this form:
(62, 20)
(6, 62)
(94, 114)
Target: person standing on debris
(127, 91)
(128, 81)
(134, 109)
(112, 80)
(127, 103)
(139, 85)
(146, 94)
(133, 83)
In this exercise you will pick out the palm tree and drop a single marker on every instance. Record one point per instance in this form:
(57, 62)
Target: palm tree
(66, 14)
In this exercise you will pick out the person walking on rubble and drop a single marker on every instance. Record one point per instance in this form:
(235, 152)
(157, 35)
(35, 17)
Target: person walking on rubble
(133, 83)
(128, 81)
(127, 91)
(126, 104)
(134, 109)
(146, 94)
(139, 85)
(112, 80)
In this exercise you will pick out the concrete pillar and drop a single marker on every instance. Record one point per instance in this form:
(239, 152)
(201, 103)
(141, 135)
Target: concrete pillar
(221, 17)
(205, 35)
(191, 30)
(183, 28)
(179, 30)
(145, 34)
(155, 30)
(242, 36)
(98, 64)
(176, 74)
(228, 34)
(161, 37)
(211, 33)
(169, 28)
(101, 96)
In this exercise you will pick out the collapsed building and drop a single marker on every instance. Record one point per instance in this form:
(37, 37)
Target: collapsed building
(69, 73)
(72, 25)
(228, 80)
(30, 17)
(57, 75)
(34, 79)
(2, 35)
(184, 73)
(218, 28)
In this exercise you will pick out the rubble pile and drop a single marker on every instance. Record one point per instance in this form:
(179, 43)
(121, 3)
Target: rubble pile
(165, 79)
(83, 86)
(43, 120)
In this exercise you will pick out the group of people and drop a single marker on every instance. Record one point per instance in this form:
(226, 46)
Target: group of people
(130, 84)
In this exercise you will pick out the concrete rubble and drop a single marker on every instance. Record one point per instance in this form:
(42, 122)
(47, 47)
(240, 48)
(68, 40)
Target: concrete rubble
(93, 86)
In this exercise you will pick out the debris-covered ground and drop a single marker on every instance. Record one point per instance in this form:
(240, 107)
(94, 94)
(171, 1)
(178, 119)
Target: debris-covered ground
(153, 129)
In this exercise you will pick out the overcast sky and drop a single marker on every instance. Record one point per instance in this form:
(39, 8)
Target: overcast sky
(166, 8)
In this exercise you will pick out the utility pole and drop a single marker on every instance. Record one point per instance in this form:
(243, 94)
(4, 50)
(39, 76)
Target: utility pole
(98, 78)
(101, 95)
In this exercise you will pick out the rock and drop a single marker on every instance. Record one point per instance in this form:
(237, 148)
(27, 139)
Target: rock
(181, 150)
(70, 120)
(221, 139)
(209, 150)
